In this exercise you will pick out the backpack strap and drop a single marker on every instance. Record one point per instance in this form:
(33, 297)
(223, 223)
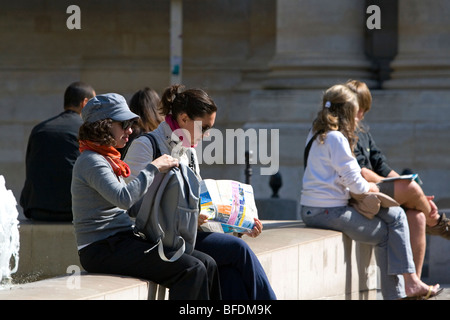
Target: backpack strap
(176, 255)
(151, 137)
(307, 148)
(156, 150)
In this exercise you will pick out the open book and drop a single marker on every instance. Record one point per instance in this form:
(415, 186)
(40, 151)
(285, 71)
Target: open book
(229, 205)
(412, 177)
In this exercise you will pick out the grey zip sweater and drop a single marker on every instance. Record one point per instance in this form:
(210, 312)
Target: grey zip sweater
(100, 199)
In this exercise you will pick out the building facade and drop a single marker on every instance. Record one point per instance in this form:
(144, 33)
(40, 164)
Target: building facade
(264, 62)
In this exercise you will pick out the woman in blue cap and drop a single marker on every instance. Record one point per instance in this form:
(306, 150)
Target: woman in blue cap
(101, 200)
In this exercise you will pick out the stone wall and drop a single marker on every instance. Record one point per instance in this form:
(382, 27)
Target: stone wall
(265, 62)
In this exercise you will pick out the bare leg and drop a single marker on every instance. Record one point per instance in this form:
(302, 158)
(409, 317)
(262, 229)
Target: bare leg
(433, 217)
(410, 195)
(417, 224)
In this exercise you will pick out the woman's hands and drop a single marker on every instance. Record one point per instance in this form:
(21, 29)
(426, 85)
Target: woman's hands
(373, 187)
(165, 163)
(202, 218)
(256, 231)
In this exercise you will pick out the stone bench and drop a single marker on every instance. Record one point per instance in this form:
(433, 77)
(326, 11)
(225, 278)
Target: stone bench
(82, 287)
(47, 249)
(300, 262)
(49, 268)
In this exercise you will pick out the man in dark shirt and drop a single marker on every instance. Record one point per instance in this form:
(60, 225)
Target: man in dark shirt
(369, 155)
(51, 153)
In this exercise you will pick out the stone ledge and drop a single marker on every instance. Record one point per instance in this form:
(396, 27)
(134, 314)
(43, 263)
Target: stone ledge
(306, 263)
(47, 249)
(301, 263)
(81, 287)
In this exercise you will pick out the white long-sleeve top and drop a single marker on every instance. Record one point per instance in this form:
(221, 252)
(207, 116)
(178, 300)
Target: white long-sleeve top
(332, 172)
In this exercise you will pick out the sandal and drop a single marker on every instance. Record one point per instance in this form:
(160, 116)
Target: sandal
(430, 295)
(441, 229)
(427, 296)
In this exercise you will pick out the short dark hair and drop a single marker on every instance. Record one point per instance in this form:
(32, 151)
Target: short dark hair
(98, 131)
(76, 93)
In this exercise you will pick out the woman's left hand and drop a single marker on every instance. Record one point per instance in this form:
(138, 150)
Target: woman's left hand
(202, 218)
(257, 229)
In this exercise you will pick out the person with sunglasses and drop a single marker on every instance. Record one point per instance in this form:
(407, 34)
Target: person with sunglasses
(102, 200)
(189, 114)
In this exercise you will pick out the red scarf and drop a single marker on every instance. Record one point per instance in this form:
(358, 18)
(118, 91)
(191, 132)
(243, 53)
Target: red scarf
(110, 153)
(173, 124)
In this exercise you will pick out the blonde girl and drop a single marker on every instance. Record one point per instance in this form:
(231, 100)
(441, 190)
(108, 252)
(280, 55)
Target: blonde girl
(331, 173)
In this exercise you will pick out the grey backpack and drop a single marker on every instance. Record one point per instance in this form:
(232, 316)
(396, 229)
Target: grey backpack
(168, 213)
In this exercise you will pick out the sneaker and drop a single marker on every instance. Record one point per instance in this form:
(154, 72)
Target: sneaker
(441, 229)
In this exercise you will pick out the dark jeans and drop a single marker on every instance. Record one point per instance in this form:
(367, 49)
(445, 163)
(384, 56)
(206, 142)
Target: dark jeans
(192, 276)
(241, 275)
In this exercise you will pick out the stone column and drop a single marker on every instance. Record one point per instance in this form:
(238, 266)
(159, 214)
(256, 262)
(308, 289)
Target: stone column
(423, 60)
(319, 43)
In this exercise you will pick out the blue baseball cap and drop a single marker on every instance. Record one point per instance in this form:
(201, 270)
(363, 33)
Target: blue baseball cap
(104, 106)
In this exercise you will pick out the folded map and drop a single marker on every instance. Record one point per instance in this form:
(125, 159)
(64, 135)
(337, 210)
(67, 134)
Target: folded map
(229, 205)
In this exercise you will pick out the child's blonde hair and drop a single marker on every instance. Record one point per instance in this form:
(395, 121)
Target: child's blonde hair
(338, 113)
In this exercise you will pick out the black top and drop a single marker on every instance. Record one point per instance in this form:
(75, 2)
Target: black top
(369, 155)
(51, 153)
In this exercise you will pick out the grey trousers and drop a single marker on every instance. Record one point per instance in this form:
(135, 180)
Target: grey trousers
(388, 232)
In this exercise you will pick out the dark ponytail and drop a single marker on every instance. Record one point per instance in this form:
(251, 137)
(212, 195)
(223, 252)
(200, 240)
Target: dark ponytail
(194, 102)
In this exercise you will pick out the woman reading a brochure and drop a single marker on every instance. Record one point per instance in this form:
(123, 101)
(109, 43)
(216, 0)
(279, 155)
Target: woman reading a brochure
(188, 116)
